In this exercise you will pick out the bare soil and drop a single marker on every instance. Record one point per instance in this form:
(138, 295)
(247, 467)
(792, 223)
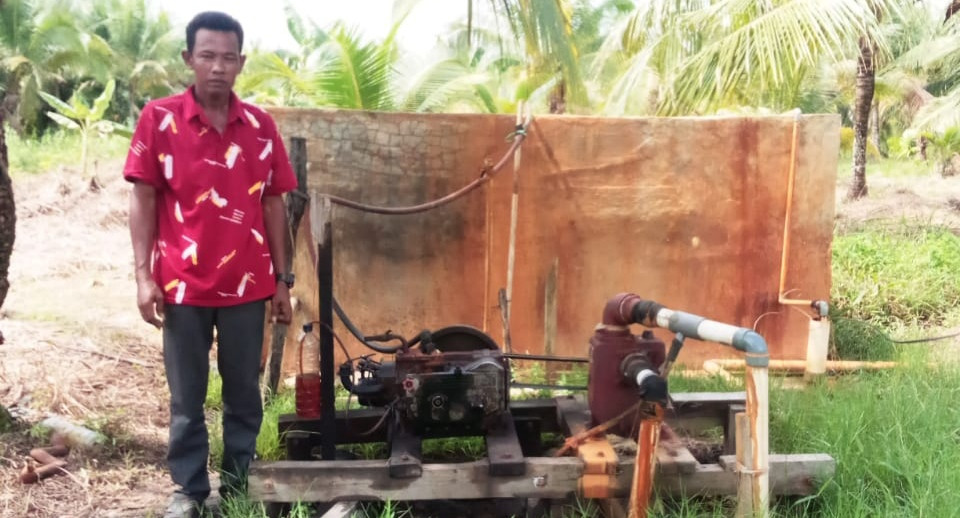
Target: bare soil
(76, 347)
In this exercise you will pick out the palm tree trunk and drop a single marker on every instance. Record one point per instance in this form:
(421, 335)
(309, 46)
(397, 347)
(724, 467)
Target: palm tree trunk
(951, 10)
(558, 98)
(875, 124)
(866, 78)
(8, 218)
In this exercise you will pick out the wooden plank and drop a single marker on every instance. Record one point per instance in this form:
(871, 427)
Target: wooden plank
(296, 203)
(672, 455)
(744, 459)
(790, 474)
(322, 481)
(544, 477)
(730, 428)
(550, 318)
(572, 414)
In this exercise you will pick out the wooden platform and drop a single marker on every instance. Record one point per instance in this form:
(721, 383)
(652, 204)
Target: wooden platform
(678, 472)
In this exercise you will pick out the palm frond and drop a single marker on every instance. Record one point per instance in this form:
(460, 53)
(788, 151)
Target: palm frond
(767, 46)
(446, 82)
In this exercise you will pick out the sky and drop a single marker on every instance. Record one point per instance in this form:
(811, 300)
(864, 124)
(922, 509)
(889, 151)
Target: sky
(267, 25)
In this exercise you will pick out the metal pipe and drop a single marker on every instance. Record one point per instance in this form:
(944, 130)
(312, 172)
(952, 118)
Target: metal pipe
(645, 464)
(820, 306)
(546, 358)
(651, 314)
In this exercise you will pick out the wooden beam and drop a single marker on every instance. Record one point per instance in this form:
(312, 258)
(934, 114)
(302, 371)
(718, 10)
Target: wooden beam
(296, 203)
(325, 481)
(544, 477)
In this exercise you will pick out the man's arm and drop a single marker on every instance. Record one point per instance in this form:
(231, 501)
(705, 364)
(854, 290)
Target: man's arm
(143, 234)
(275, 224)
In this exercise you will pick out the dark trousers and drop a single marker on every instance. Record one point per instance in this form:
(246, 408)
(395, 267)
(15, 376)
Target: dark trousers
(187, 338)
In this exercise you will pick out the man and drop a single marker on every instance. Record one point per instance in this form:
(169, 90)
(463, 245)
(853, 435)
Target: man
(208, 225)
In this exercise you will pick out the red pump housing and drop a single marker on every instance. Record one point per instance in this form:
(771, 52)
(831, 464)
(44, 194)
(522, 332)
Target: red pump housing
(609, 391)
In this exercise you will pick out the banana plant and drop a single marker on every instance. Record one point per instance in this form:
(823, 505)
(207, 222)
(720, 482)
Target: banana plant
(76, 115)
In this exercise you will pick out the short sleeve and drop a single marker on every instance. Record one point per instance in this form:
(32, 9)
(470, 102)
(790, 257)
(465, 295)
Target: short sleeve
(282, 179)
(142, 163)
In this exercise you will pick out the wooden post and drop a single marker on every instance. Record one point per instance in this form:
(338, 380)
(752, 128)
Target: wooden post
(550, 319)
(321, 214)
(512, 249)
(296, 202)
(756, 466)
(744, 465)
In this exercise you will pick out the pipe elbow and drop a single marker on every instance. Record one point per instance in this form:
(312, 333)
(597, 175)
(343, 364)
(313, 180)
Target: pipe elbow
(619, 310)
(755, 347)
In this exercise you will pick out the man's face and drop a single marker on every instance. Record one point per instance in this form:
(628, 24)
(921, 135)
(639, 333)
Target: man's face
(215, 60)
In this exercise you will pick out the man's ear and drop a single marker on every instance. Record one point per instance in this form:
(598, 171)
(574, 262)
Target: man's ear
(243, 61)
(185, 54)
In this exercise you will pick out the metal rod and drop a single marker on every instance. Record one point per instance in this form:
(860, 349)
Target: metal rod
(645, 464)
(546, 358)
(328, 428)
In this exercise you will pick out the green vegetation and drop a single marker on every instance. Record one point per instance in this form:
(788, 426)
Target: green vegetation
(87, 120)
(32, 156)
(897, 274)
(894, 435)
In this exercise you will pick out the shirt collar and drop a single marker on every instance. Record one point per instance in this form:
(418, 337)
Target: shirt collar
(191, 108)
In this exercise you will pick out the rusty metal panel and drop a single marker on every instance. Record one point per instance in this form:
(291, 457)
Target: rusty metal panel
(685, 211)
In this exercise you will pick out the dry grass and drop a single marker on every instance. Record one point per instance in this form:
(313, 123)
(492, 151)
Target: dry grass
(75, 347)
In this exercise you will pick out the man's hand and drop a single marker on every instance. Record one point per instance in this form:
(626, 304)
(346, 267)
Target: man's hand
(280, 307)
(150, 302)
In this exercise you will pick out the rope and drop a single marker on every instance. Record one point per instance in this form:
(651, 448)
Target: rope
(743, 469)
(486, 173)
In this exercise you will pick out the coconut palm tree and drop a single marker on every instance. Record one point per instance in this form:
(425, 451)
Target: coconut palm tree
(698, 56)
(144, 51)
(41, 45)
(8, 218)
(334, 67)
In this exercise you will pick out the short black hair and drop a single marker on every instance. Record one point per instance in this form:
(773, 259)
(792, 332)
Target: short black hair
(214, 21)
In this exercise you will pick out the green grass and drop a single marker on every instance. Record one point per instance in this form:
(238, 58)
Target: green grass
(897, 274)
(30, 156)
(895, 436)
(891, 167)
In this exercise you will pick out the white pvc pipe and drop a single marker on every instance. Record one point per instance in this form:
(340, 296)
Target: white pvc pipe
(818, 341)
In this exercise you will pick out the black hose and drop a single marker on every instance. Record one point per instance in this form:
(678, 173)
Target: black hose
(359, 335)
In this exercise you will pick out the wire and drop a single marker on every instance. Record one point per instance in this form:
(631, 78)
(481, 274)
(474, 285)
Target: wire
(926, 339)
(386, 413)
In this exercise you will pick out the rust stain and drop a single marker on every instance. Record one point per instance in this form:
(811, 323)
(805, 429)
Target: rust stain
(627, 226)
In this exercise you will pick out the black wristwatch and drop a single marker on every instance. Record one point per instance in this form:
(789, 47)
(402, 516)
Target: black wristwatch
(286, 278)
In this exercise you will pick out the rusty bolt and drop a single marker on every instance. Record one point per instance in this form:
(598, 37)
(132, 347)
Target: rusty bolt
(506, 456)
(540, 481)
